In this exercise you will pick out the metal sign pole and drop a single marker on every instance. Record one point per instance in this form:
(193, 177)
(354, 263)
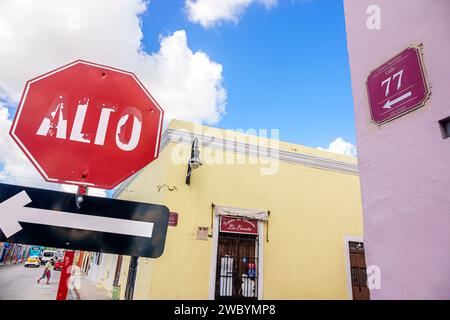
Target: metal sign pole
(132, 272)
(69, 255)
(65, 275)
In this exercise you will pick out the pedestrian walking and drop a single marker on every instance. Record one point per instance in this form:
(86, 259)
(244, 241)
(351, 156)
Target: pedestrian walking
(47, 271)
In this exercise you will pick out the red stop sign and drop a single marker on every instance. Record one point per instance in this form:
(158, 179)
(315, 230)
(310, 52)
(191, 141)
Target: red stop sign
(88, 124)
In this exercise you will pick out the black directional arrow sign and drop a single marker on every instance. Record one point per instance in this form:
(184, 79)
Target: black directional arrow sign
(51, 218)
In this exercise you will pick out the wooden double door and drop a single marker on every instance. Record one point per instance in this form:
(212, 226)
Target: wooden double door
(358, 270)
(237, 267)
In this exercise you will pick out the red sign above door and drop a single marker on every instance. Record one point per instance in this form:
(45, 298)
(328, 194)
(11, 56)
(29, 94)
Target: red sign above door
(238, 225)
(173, 219)
(398, 86)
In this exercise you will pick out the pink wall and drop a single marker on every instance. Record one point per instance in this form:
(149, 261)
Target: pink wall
(404, 164)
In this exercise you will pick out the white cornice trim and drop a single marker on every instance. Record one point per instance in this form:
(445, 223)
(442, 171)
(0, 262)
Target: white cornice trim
(177, 136)
(184, 137)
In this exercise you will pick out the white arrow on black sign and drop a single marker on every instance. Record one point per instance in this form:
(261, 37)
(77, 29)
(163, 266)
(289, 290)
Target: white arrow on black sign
(9, 223)
(50, 218)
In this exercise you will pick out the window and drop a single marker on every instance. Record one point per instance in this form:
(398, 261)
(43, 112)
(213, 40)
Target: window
(237, 267)
(445, 127)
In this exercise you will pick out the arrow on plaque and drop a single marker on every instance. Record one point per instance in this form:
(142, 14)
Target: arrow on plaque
(14, 211)
(390, 103)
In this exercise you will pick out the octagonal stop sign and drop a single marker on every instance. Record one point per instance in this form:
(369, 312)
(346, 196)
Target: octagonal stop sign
(88, 124)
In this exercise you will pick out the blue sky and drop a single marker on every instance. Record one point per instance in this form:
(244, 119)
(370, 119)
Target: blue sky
(285, 67)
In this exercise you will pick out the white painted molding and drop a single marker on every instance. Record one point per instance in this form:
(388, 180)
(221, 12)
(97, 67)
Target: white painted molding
(260, 254)
(184, 137)
(178, 136)
(261, 242)
(213, 267)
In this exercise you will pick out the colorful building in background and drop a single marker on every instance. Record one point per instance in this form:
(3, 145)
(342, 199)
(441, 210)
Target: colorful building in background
(403, 162)
(3, 249)
(13, 252)
(259, 219)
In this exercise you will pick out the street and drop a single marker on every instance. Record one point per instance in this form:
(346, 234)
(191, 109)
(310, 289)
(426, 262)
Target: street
(19, 283)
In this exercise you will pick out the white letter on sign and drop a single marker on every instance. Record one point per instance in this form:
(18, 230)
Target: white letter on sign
(76, 134)
(135, 134)
(103, 126)
(49, 123)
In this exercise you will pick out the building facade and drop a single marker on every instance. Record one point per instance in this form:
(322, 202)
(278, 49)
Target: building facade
(13, 252)
(259, 219)
(404, 163)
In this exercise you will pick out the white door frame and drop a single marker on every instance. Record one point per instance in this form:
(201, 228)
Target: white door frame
(215, 244)
(348, 239)
(111, 272)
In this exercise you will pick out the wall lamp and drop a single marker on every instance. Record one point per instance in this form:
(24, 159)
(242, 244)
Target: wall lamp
(194, 161)
(168, 187)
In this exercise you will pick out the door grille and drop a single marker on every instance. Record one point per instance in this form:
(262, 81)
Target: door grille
(237, 267)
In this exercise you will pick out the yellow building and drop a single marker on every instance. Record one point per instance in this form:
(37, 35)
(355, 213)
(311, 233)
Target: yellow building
(287, 212)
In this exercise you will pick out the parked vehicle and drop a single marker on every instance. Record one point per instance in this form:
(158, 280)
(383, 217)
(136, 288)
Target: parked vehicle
(35, 251)
(58, 265)
(59, 255)
(33, 261)
(47, 255)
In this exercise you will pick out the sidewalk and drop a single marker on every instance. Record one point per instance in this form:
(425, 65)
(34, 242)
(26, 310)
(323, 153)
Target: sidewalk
(11, 263)
(88, 291)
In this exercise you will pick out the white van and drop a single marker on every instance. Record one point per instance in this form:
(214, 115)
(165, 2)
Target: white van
(47, 255)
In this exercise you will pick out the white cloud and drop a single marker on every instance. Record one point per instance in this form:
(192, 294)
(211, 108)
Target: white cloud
(188, 85)
(17, 169)
(342, 147)
(209, 13)
(38, 36)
